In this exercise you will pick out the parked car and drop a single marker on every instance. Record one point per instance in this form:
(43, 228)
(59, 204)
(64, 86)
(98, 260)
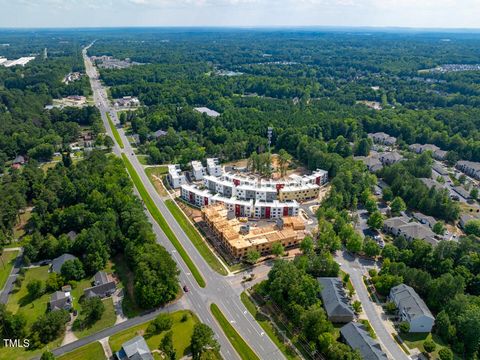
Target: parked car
(185, 288)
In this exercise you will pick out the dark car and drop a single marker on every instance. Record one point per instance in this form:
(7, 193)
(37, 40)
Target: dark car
(185, 288)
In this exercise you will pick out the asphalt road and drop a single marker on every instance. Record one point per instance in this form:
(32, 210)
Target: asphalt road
(219, 289)
(356, 269)
(11, 278)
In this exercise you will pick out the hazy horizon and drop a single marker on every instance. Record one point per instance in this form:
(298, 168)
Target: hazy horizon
(408, 14)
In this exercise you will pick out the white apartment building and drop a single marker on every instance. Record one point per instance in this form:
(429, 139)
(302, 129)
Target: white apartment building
(198, 170)
(196, 196)
(175, 176)
(213, 167)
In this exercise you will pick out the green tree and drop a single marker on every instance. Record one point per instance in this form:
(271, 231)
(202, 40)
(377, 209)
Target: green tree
(439, 228)
(355, 243)
(474, 193)
(277, 249)
(362, 148)
(35, 289)
(375, 220)
(47, 355)
(202, 340)
(371, 205)
(49, 326)
(284, 159)
(404, 327)
(252, 256)
(92, 310)
(371, 248)
(161, 323)
(387, 194)
(445, 354)
(357, 307)
(72, 270)
(307, 245)
(166, 346)
(429, 346)
(472, 227)
(397, 206)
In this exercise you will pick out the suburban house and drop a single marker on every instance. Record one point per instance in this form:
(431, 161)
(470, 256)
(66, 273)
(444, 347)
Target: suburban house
(470, 168)
(460, 190)
(57, 263)
(372, 163)
(438, 153)
(103, 286)
(134, 349)
(382, 138)
(429, 183)
(424, 219)
(400, 226)
(412, 309)
(335, 301)
(464, 218)
(20, 160)
(357, 337)
(390, 158)
(60, 300)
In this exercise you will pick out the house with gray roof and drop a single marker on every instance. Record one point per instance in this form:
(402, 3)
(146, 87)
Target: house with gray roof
(412, 309)
(425, 219)
(464, 219)
(400, 226)
(372, 163)
(134, 349)
(58, 262)
(60, 300)
(357, 337)
(470, 168)
(382, 138)
(103, 286)
(429, 183)
(335, 301)
(390, 158)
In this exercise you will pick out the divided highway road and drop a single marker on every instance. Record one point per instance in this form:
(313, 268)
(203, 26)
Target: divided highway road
(218, 289)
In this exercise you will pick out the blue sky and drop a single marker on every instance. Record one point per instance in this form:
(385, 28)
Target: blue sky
(377, 13)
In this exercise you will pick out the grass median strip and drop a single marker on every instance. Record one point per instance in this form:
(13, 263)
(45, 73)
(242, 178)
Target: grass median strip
(264, 322)
(148, 201)
(242, 348)
(195, 238)
(116, 135)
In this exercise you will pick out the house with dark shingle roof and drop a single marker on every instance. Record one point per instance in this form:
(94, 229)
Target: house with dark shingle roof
(134, 349)
(58, 262)
(103, 285)
(60, 300)
(335, 301)
(358, 338)
(412, 309)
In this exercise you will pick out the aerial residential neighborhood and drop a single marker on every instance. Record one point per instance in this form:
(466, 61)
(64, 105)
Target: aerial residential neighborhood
(239, 180)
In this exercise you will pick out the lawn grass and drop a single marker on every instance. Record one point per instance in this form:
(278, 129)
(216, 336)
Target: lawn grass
(182, 333)
(18, 353)
(18, 230)
(116, 135)
(107, 320)
(120, 267)
(77, 291)
(19, 302)
(158, 172)
(196, 238)
(416, 340)
(369, 328)
(7, 259)
(264, 322)
(152, 208)
(242, 348)
(93, 351)
(143, 159)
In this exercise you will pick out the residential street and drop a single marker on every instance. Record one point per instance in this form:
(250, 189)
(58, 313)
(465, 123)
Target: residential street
(356, 268)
